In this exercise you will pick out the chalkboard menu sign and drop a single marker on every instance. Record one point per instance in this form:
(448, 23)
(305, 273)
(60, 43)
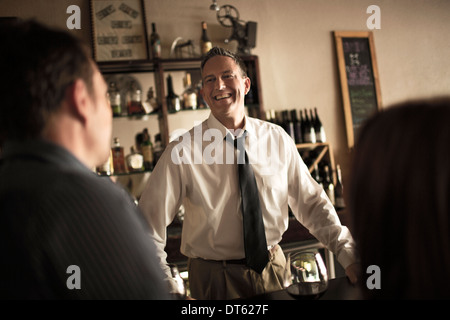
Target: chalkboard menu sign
(359, 79)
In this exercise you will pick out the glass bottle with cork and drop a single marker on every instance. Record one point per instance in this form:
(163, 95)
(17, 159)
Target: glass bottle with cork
(147, 150)
(155, 43)
(115, 99)
(134, 100)
(205, 42)
(172, 99)
(189, 95)
(118, 157)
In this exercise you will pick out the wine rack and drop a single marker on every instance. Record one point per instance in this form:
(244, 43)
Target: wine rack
(317, 152)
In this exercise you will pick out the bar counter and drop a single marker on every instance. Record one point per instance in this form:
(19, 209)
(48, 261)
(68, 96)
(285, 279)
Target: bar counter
(338, 289)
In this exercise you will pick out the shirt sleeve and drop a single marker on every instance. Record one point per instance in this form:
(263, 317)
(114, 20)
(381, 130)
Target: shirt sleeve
(313, 209)
(160, 201)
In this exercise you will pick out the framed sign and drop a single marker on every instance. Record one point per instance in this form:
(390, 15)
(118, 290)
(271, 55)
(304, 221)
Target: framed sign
(358, 72)
(119, 30)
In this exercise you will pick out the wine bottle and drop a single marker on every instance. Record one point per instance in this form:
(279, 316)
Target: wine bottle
(189, 95)
(155, 43)
(310, 135)
(206, 44)
(328, 185)
(297, 126)
(316, 175)
(302, 125)
(339, 190)
(173, 101)
(147, 150)
(289, 124)
(318, 128)
(158, 149)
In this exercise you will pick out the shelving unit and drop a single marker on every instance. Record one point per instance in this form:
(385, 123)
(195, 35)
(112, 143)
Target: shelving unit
(324, 152)
(159, 66)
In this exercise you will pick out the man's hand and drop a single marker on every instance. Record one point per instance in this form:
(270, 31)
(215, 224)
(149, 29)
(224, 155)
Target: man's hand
(353, 272)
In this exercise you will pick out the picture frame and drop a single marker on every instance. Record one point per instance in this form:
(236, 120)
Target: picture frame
(359, 78)
(119, 31)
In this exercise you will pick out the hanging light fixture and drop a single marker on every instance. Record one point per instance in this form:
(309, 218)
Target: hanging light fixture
(214, 6)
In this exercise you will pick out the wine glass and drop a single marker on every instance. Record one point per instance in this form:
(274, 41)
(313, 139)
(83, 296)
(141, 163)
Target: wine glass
(305, 275)
(179, 291)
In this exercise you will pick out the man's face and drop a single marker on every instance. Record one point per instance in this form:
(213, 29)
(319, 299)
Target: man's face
(224, 87)
(101, 123)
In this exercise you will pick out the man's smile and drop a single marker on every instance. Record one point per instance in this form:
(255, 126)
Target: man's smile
(222, 96)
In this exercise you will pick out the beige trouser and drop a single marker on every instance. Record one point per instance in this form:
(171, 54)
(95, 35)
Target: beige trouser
(209, 279)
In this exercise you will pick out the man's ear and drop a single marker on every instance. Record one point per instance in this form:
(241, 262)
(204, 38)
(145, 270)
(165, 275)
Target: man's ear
(247, 83)
(78, 99)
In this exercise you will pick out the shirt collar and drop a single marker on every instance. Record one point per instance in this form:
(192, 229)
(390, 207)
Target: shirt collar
(213, 123)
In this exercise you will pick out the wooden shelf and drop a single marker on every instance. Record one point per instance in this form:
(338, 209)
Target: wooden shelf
(325, 153)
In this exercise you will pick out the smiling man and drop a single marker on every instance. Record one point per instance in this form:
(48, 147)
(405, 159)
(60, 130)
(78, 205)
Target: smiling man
(215, 231)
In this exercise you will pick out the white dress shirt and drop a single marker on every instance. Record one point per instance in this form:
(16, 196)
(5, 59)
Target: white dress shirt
(199, 170)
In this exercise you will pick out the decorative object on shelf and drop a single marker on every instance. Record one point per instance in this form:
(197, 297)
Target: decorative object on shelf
(115, 99)
(181, 50)
(119, 30)
(358, 73)
(243, 32)
(155, 43)
(205, 41)
(124, 83)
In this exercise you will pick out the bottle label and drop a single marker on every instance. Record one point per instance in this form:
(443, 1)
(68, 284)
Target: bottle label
(206, 46)
(320, 136)
(156, 49)
(340, 203)
(147, 153)
(190, 101)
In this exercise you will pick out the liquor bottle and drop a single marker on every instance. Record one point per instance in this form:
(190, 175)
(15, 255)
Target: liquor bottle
(158, 150)
(310, 135)
(318, 128)
(151, 104)
(106, 168)
(155, 43)
(201, 103)
(173, 101)
(328, 185)
(118, 157)
(206, 44)
(135, 160)
(339, 190)
(134, 101)
(189, 95)
(115, 99)
(147, 150)
(297, 127)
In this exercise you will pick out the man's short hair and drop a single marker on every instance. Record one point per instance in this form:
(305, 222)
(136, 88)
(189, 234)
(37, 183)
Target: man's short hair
(217, 51)
(37, 65)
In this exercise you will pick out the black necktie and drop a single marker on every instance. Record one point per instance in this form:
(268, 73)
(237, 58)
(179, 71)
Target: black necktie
(255, 244)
